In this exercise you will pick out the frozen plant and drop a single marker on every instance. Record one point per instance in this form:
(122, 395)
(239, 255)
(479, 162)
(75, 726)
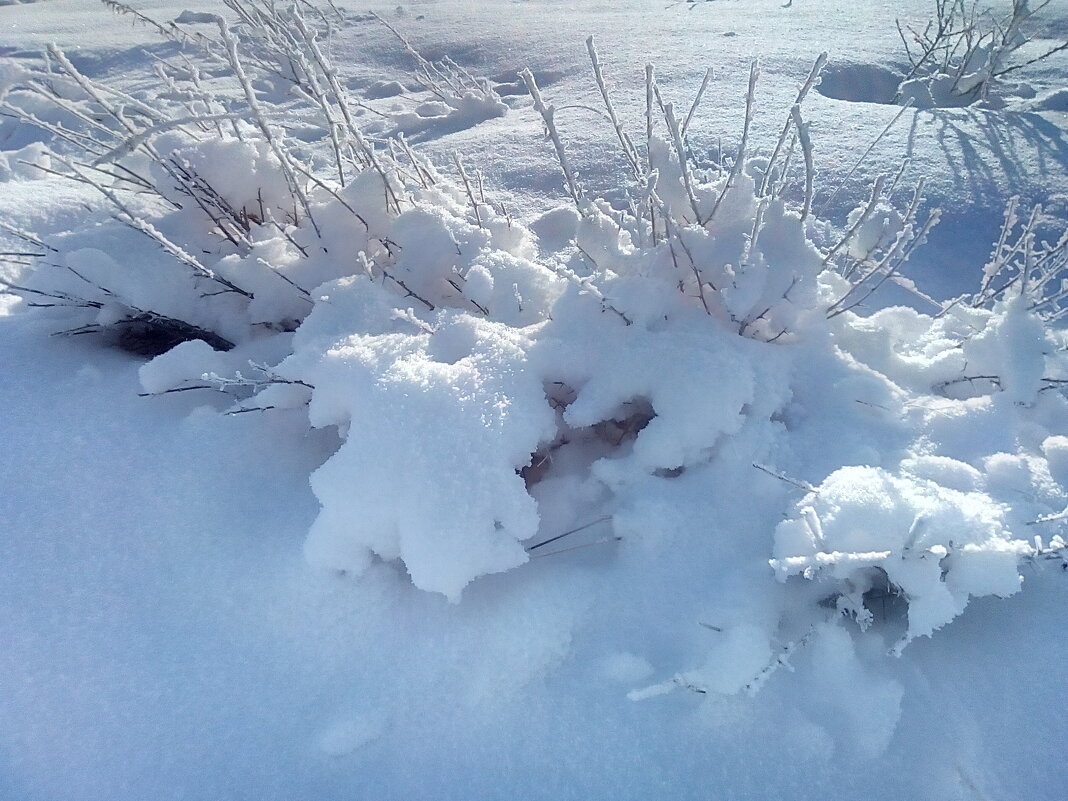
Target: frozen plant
(961, 55)
(734, 239)
(240, 222)
(1023, 265)
(460, 98)
(641, 364)
(937, 546)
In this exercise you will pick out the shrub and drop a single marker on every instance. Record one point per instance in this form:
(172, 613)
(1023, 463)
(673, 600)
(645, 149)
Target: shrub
(962, 54)
(676, 348)
(247, 222)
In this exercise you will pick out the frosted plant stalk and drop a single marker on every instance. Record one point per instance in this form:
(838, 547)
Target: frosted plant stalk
(547, 113)
(802, 93)
(750, 99)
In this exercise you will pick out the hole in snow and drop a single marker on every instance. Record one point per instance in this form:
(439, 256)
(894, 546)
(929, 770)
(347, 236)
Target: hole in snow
(859, 83)
(150, 336)
(575, 449)
(383, 89)
(874, 602)
(669, 472)
(626, 424)
(541, 461)
(967, 387)
(887, 603)
(509, 84)
(559, 395)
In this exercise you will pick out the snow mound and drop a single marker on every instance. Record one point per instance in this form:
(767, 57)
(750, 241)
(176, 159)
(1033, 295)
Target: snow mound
(938, 546)
(442, 491)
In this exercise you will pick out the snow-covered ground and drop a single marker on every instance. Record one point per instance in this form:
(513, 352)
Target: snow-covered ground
(801, 560)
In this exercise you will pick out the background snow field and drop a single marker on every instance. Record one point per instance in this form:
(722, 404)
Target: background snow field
(431, 402)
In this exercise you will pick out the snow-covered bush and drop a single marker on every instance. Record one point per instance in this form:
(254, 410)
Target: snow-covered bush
(956, 517)
(736, 239)
(1023, 265)
(248, 223)
(460, 99)
(244, 234)
(497, 387)
(963, 53)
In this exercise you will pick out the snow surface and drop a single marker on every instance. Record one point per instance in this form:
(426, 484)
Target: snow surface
(797, 569)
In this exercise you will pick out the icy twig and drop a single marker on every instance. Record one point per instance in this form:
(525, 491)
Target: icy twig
(806, 151)
(709, 75)
(575, 530)
(467, 188)
(260, 121)
(863, 157)
(739, 161)
(802, 93)
(625, 142)
(680, 152)
(547, 113)
(865, 215)
(904, 244)
(795, 482)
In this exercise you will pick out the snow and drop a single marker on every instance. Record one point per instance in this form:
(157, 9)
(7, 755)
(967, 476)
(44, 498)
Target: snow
(460, 487)
(397, 492)
(937, 546)
(184, 362)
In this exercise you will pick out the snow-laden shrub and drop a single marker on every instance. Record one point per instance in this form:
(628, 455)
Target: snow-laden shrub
(1023, 265)
(697, 291)
(248, 223)
(917, 486)
(735, 239)
(244, 235)
(936, 545)
(953, 519)
(964, 52)
(635, 366)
